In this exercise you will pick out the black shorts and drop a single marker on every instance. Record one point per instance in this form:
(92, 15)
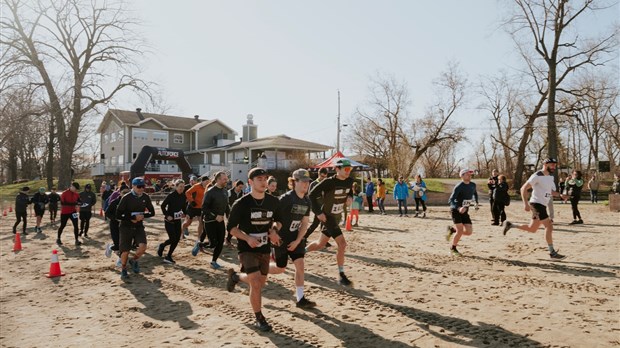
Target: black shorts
(459, 218)
(193, 212)
(282, 254)
(330, 227)
(129, 234)
(539, 211)
(39, 211)
(254, 262)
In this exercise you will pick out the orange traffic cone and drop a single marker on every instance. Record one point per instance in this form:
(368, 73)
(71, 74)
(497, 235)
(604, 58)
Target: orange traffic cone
(348, 226)
(101, 212)
(55, 266)
(10, 209)
(17, 246)
(4, 213)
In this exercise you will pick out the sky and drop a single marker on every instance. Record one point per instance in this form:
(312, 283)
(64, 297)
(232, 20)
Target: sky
(284, 61)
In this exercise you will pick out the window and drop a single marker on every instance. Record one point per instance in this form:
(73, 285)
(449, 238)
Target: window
(121, 159)
(140, 135)
(178, 138)
(114, 161)
(105, 138)
(215, 158)
(161, 137)
(119, 135)
(113, 137)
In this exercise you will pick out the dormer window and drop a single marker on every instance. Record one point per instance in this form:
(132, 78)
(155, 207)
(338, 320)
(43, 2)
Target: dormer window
(178, 138)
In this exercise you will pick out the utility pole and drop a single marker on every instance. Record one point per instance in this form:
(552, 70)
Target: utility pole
(338, 132)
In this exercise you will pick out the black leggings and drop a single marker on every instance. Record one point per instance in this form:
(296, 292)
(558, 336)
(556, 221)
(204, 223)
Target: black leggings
(573, 203)
(417, 204)
(315, 224)
(85, 220)
(173, 229)
(20, 216)
(499, 212)
(63, 222)
(216, 232)
(115, 233)
(53, 213)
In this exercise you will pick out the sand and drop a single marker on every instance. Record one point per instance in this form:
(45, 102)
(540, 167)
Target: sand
(408, 290)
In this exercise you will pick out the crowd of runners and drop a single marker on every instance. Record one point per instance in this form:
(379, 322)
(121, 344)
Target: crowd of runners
(270, 229)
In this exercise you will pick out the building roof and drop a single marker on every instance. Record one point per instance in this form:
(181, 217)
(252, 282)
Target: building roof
(281, 142)
(167, 121)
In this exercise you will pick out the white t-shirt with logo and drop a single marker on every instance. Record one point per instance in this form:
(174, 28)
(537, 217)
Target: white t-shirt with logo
(542, 186)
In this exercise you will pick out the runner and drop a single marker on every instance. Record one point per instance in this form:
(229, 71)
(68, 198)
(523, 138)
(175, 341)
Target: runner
(335, 192)
(88, 199)
(214, 208)
(253, 222)
(574, 185)
(174, 209)
(501, 199)
(272, 186)
(70, 202)
(114, 223)
(194, 198)
(543, 187)
(54, 198)
(294, 210)
(133, 208)
(21, 209)
(315, 221)
(39, 200)
(233, 194)
(463, 196)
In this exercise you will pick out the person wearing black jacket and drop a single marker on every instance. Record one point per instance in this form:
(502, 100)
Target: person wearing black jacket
(21, 209)
(133, 208)
(39, 201)
(88, 199)
(214, 208)
(54, 198)
(174, 208)
(233, 194)
(110, 213)
(492, 184)
(500, 198)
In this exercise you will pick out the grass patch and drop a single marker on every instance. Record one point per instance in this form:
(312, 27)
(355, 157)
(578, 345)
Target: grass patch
(13, 189)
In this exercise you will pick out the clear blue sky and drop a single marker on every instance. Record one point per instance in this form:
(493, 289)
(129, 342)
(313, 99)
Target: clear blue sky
(284, 61)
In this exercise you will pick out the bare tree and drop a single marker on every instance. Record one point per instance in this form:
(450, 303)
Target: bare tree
(82, 53)
(548, 41)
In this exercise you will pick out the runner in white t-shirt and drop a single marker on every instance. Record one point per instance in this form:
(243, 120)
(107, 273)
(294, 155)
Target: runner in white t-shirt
(543, 188)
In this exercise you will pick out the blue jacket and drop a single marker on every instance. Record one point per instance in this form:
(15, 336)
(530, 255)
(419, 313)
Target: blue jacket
(401, 191)
(422, 186)
(370, 189)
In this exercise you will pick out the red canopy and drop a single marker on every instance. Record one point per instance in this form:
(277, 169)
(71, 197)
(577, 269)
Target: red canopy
(330, 163)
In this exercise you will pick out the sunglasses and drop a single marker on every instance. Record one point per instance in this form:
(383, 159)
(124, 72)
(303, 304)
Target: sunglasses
(140, 186)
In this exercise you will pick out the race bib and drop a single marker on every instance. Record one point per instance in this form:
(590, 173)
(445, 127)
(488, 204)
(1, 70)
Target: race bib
(467, 203)
(295, 225)
(263, 238)
(74, 215)
(337, 208)
(178, 215)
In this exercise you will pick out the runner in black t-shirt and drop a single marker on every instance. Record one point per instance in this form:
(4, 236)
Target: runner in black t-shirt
(294, 211)
(252, 221)
(335, 193)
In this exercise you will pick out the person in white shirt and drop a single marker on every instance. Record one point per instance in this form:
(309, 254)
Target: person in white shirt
(543, 188)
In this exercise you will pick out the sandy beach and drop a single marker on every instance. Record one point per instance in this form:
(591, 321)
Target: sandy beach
(408, 290)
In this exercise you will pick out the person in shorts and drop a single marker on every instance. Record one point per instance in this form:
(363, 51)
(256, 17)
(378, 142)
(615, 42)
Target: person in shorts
(253, 221)
(294, 210)
(543, 188)
(132, 209)
(463, 196)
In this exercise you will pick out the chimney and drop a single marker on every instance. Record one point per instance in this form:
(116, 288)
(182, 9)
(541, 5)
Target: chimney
(140, 116)
(196, 118)
(250, 130)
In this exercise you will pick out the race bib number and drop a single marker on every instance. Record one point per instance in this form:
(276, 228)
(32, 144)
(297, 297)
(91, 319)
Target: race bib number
(74, 215)
(178, 215)
(337, 208)
(295, 225)
(263, 238)
(467, 203)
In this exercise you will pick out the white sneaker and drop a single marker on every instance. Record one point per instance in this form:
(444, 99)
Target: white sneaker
(119, 264)
(108, 250)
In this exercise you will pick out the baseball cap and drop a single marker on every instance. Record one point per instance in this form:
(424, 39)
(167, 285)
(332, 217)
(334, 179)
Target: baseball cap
(87, 187)
(26, 188)
(41, 189)
(204, 177)
(343, 162)
(550, 160)
(301, 175)
(464, 171)
(192, 177)
(137, 182)
(258, 171)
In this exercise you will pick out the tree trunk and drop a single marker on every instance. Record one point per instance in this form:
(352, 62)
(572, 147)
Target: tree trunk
(49, 167)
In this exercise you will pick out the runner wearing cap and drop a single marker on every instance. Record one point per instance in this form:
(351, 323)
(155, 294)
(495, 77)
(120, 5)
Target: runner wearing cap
(328, 202)
(543, 187)
(132, 209)
(253, 221)
(294, 210)
(463, 196)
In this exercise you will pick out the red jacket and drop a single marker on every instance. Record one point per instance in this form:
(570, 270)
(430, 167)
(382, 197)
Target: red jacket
(68, 201)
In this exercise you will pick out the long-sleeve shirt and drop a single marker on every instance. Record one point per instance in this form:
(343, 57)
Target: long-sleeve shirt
(381, 191)
(174, 205)
(40, 200)
(54, 198)
(21, 202)
(215, 203)
(233, 196)
(68, 200)
(401, 191)
(334, 193)
(88, 198)
(131, 205)
(463, 195)
(195, 195)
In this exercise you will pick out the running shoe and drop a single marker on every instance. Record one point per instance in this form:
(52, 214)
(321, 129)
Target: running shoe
(77, 243)
(81, 233)
(108, 250)
(579, 222)
(58, 242)
(119, 263)
(574, 222)
(450, 232)
(168, 259)
(215, 265)
(556, 256)
(262, 325)
(135, 267)
(455, 252)
(124, 274)
(196, 249)
(305, 303)
(507, 227)
(327, 245)
(230, 284)
(416, 215)
(423, 215)
(344, 280)
(495, 224)
(86, 235)
(160, 250)
(186, 232)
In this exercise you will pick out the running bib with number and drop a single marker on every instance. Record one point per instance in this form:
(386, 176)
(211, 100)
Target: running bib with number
(295, 225)
(263, 238)
(178, 215)
(467, 203)
(337, 208)
(74, 215)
